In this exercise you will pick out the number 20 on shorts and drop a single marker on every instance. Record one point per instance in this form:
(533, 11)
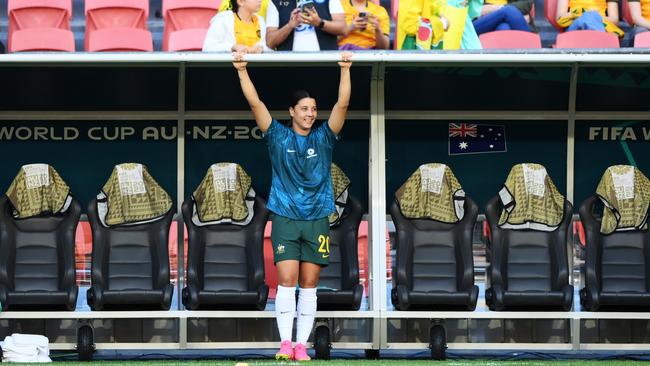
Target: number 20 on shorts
(324, 242)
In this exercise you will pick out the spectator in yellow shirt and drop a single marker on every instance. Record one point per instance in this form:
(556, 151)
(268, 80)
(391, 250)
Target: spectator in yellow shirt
(367, 26)
(237, 30)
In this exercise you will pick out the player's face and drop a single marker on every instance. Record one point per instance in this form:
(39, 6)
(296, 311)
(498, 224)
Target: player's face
(303, 114)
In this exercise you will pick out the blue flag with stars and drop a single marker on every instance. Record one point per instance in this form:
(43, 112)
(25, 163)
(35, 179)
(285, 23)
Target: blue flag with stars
(473, 138)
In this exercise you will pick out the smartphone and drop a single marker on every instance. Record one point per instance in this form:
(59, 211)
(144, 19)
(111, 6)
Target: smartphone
(364, 15)
(306, 6)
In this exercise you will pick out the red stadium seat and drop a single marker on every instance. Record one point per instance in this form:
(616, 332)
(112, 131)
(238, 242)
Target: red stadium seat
(117, 25)
(642, 40)
(186, 40)
(510, 39)
(587, 39)
(52, 39)
(184, 20)
(550, 11)
(40, 25)
(120, 40)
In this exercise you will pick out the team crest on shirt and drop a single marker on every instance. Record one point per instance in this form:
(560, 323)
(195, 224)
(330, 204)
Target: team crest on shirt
(280, 249)
(311, 153)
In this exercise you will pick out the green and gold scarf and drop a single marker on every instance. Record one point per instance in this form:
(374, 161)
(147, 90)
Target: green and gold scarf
(530, 200)
(37, 190)
(225, 195)
(131, 196)
(432, 192)
(625, 193)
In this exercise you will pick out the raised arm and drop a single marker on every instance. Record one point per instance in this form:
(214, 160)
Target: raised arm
(340, 109)
(262, 116)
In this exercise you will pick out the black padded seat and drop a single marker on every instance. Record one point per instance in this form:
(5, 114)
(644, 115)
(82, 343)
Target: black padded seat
(339, 287)
(529, 269)
(225, 264)
(37, 263)
(130, 265)
(435, 267)
(617, 266)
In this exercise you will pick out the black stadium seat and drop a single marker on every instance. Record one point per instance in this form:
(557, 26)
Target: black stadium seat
(37, 263)
(617, 269)
(529, 269)
(339, 287)
(435, 268)
(130, 265)
(225, 264)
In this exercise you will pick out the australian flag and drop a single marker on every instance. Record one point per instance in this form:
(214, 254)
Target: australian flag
(473, 138)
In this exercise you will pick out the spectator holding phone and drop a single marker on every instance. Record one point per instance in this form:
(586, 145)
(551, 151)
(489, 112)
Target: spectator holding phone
(367, 27)
(237, 30)
(304, 25)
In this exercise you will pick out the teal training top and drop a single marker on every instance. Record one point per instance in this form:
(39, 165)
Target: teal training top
(301, 186)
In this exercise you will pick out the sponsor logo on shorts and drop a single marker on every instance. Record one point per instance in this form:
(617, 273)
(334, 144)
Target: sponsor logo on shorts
(280, 249)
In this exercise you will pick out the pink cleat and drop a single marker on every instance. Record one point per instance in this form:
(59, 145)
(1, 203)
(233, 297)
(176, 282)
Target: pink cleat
(300, 353)
(285, 352)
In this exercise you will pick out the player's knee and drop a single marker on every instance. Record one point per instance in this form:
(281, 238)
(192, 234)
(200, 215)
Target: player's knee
(289, 280)
(309, 283)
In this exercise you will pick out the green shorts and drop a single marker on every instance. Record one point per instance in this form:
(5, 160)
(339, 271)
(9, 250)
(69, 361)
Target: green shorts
(301, 240)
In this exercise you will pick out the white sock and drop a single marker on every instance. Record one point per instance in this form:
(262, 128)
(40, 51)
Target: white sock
(306, 314)
(285, 310)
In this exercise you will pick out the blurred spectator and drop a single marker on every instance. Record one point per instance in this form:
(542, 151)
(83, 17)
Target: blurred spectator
(413, 13)
(368, 26)
(225, 5)
(598, 15)
(504, 15)
(461, 33)
(308, 26)
(640, 11)
(237, 30)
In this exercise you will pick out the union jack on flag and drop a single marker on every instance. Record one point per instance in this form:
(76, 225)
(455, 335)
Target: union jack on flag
(462, 130)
